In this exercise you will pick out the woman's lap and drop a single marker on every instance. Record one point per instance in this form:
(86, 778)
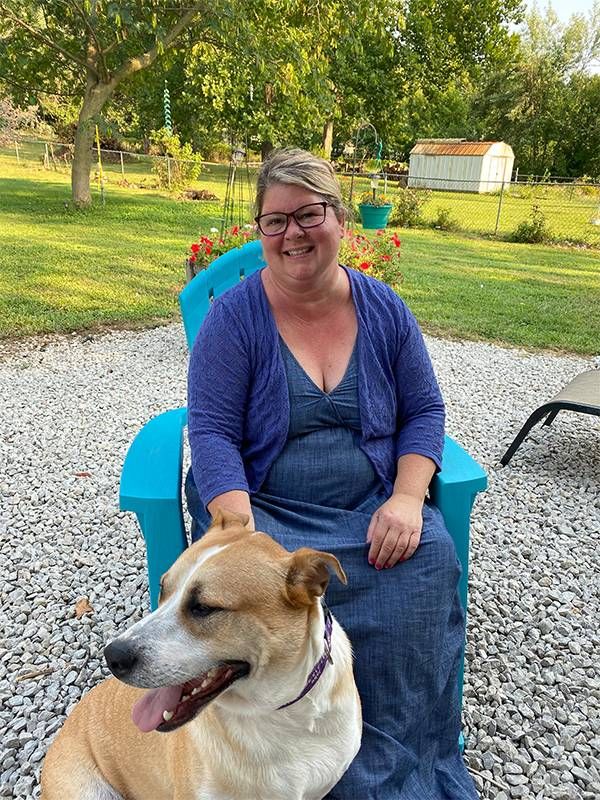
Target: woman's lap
(406, 627)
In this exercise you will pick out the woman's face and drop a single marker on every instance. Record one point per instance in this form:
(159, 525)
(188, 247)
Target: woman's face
(300, 254)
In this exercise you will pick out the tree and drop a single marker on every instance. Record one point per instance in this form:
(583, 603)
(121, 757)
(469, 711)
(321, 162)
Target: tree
(93, 45)
(536, 100)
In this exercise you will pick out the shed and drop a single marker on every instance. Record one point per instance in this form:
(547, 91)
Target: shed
(457, 165)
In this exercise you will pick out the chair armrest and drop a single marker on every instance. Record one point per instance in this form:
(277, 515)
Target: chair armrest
(151, 487)
(453, 491)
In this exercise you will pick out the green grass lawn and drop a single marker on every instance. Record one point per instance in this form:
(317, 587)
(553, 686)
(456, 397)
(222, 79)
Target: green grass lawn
(122, 265)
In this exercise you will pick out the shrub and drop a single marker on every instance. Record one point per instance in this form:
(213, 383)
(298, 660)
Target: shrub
(533, 230)
(444, 221)
(182, 165)
(408, 207)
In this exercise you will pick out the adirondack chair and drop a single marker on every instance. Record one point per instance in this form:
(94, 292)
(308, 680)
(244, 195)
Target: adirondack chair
(151, 480)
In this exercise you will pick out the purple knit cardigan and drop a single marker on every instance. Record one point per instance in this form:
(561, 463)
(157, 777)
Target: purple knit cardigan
(238, 403)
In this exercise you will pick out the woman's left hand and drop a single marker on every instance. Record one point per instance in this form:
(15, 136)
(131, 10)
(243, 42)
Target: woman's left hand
(395, 530)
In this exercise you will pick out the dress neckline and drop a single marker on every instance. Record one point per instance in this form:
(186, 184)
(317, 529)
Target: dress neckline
(339, 384)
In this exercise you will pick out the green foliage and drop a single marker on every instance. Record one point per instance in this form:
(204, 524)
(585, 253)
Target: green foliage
(408, 207)
(544, 100)
(534, 230)
(180, 166)
(374, 198)
(444, 221)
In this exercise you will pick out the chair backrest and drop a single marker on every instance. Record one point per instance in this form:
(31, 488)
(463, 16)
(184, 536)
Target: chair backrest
(223, 273)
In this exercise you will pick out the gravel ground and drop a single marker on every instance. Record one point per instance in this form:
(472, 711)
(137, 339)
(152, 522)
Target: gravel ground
(70, 406)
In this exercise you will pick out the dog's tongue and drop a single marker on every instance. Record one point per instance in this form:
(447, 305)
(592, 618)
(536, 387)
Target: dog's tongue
(147, 713)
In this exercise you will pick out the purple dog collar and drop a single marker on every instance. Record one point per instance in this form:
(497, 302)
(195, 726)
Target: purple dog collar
(319, 667)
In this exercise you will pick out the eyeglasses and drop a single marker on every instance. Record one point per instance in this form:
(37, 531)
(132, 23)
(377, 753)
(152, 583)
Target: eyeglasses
(308, 216)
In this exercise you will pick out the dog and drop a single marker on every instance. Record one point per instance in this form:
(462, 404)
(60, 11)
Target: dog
(251, 688)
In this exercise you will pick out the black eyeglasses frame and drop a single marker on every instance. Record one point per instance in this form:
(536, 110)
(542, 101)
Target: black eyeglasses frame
(292, 215)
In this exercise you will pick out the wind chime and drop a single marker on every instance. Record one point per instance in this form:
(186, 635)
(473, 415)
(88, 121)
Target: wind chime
(167, 107)
(238, 194)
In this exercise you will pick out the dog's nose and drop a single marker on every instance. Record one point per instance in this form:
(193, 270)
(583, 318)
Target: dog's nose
(120, 658)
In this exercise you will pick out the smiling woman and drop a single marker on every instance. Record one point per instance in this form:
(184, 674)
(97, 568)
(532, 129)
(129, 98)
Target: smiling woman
(313, 409)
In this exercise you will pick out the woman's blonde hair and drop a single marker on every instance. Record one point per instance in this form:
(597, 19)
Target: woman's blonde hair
(296, 167)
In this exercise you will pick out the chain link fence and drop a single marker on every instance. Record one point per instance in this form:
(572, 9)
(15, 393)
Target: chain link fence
(558, 210)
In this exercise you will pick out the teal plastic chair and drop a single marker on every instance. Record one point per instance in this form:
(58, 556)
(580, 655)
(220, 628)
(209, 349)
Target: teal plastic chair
(152, 480)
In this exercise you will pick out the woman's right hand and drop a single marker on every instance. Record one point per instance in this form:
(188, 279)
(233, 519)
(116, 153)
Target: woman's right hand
(236, 501)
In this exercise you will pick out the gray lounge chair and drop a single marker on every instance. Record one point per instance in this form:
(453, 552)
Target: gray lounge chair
(581, 394)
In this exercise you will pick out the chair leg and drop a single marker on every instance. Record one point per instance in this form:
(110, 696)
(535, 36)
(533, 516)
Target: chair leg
(533, 419)
(551, 417)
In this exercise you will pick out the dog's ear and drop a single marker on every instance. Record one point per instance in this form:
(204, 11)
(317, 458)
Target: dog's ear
(223, 519)
(308, 575)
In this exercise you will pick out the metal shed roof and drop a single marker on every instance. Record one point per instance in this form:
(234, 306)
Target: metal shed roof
(450, 147)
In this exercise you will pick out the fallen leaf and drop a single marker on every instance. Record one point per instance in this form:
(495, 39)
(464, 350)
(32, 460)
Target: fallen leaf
(82, 606)
(83, 474)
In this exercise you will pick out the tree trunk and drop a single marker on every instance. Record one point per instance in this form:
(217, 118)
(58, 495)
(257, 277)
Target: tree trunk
(93, 102)
(328, 138)
(265, 149)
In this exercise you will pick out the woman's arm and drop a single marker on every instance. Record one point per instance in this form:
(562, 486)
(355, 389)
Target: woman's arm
(218, 379)
(395, 528)
(421, 413)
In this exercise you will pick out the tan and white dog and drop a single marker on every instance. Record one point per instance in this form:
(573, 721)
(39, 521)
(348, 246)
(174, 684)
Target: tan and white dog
(240, 626)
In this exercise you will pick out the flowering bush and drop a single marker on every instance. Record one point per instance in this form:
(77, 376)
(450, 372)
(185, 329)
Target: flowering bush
(208, 248)
(379, 256)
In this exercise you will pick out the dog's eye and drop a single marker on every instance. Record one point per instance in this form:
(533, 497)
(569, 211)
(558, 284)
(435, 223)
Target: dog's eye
(199, 611)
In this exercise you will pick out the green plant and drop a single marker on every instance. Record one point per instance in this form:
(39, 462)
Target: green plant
(181, 165)
(373, 198)
(408, 207)
(444, 221)
(533, 230)
(379, 256)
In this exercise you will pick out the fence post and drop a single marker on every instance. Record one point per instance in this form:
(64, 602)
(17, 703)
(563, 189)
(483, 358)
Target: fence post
(46, 157)
(169, 172)
(499, 209)
(122, 167)
(17, 152)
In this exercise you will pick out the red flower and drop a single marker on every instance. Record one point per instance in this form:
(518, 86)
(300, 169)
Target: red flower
(396, 240)
(192, 259)
(235, 230)
(195, 247)
(364, 265)
(385, 257)
(208, 249)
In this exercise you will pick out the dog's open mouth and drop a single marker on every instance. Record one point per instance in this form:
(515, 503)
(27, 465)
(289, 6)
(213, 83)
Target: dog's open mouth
(169, 707)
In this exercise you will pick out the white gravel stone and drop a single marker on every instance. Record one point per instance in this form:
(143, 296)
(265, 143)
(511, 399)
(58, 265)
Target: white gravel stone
(70, 406)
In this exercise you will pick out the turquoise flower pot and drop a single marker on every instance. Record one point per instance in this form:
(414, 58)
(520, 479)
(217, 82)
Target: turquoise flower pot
(374, 216)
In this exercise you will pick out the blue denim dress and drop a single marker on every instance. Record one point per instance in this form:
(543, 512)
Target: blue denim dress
(406, 624)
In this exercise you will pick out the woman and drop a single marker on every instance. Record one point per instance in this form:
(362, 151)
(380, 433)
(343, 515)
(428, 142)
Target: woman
(314, 409)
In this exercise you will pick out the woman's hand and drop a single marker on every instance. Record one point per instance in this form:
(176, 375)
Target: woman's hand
(395, 530)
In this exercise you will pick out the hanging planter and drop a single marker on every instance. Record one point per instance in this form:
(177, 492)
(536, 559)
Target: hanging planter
(373, 216)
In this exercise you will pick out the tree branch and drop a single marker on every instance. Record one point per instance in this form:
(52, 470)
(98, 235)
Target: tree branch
(137, 63)
(92, 31)
(29, 88)
(40, 36)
